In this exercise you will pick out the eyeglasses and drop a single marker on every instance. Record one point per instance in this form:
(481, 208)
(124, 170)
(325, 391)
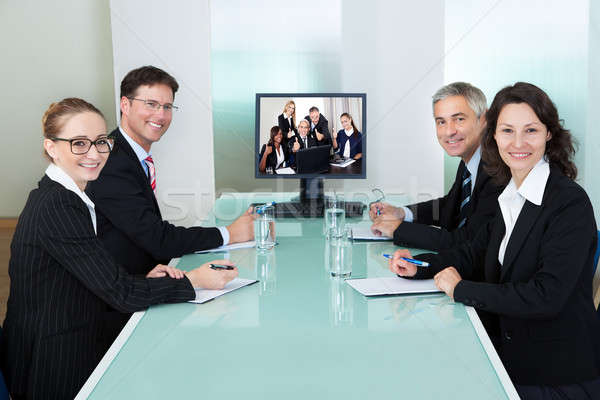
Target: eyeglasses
(379, 195)
(82, 145)
(155, 105)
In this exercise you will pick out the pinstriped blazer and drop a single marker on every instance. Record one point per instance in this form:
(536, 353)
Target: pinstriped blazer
(62, 279)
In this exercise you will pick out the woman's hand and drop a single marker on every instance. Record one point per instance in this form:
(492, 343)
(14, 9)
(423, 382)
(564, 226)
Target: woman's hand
(268, 150)
(207, 278)
(290, 134)
(160, 271)
(399, 266)
(446, 280)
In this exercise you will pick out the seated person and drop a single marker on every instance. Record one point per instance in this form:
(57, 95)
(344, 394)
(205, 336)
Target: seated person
(62, 277)
(274, 154)
(348, 141)
(459, 113)
(319, 127)
(287, 122)
(302, 140)
(528, 272)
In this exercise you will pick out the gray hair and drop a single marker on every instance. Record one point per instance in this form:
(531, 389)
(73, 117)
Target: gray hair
(474, 96)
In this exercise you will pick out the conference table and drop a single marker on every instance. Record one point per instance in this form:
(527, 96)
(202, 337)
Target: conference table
(299, 333)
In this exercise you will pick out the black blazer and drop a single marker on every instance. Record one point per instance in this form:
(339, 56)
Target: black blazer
(272, 158)
(129, 221)
(537, 307)
(323, 127)
(285, 127)
(62, 279)
(443, 214)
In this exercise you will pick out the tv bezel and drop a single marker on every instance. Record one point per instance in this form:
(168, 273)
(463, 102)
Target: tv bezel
(258, 175)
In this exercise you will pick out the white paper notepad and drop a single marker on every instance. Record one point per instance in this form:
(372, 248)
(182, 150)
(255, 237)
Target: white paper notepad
(392, 285)
(204, 295)
(228, 247)
(364, 233)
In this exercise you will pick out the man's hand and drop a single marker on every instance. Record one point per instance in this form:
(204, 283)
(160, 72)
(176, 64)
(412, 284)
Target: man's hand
(385, 226)
(446, 280)
(399, 266)
(242, 229)
(296, 146)
(205, 277)
(319, 136)
(160, 271)
(378, 209)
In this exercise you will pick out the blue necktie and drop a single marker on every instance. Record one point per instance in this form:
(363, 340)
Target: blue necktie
(465, 197)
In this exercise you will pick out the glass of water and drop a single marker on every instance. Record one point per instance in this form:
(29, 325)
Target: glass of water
(339, 250)
(264, 226)
(335, 216)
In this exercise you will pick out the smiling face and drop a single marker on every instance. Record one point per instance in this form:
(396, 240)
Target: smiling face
(314, 117)
(289, 110)
(303, 128)
(346, 123)
(521, 138)
(458, 128)
(278, 137)
(81, 167)
(145, 125)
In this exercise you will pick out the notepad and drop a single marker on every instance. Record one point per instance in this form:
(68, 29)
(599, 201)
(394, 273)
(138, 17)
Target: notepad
(228, 247)
(285, 171)
(392, 285)
(364, 233)
(204, 295)
(343, 163)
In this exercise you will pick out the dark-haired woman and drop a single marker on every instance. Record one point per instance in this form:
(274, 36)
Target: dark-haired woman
(529, 272)
(61, 277)
(348, 141)
(273, 155)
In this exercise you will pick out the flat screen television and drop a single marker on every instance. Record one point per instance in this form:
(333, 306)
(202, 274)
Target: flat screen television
(311, 137)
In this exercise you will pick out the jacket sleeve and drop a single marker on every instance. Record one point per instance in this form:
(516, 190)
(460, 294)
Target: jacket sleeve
(119, 196)
(66, 233)
(564, 251)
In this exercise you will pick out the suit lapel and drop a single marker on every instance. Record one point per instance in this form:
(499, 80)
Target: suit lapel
(449, 215)
(527, 217)
(492, 267)
(122, 146)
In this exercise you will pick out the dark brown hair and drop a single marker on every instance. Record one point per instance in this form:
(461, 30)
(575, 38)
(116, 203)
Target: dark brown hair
(274, 131)
(147, 75)
(57, 114)
(355, 134)
(559, 149)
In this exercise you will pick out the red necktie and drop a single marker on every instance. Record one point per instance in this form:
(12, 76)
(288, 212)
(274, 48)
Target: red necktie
(150, 164)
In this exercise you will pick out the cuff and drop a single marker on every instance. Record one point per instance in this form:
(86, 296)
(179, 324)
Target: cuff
(408, 214)
(224, 235)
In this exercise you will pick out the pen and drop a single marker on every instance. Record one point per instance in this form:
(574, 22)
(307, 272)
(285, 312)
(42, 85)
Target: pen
(221, 267)
(261, 208)
(410, 260)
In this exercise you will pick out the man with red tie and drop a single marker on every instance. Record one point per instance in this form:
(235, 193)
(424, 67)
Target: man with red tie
(129, 220)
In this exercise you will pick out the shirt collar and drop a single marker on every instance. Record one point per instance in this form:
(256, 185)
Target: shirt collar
(55, 173)
(532, 188)
(473, 163)
(137, 149)
(350, 132)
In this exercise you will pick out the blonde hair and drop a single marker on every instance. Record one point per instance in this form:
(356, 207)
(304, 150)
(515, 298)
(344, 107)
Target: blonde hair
(294, 113)
(57, 114)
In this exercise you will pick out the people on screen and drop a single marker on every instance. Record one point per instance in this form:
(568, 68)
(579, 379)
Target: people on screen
(274, 154)
(319, 127)
(348, 141)
(63, 278)
(129, 220)
(529, 270)
(459, 115)
(287, 122)
(302, 140)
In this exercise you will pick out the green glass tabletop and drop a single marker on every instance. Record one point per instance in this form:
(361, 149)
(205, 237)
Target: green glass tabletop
(299, 333)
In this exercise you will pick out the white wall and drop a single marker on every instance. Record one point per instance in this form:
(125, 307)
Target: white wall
(592, 139)
(175, 37)
(50, 50)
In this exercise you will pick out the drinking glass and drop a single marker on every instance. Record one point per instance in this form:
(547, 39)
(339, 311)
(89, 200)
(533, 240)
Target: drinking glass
(335, 216)
(264, 226)
(339, 250)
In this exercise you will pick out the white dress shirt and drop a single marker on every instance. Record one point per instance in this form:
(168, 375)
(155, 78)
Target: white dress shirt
(55, 173)
(472, 166)
(280, 156)
(346, 152)
(141, 155)
(512, 199)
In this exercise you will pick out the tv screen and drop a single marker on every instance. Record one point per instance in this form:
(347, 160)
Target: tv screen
(302, 135)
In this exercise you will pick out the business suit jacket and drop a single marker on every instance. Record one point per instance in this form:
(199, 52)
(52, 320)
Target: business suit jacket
(355, 143)
(272, 158)
(537, 307)
(443, 214)
(285, 127)
(323, 127)
(130, 224)
(62, 278)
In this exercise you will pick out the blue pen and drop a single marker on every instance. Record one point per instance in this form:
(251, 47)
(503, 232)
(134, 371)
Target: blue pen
(410, 260)
(261, 208)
